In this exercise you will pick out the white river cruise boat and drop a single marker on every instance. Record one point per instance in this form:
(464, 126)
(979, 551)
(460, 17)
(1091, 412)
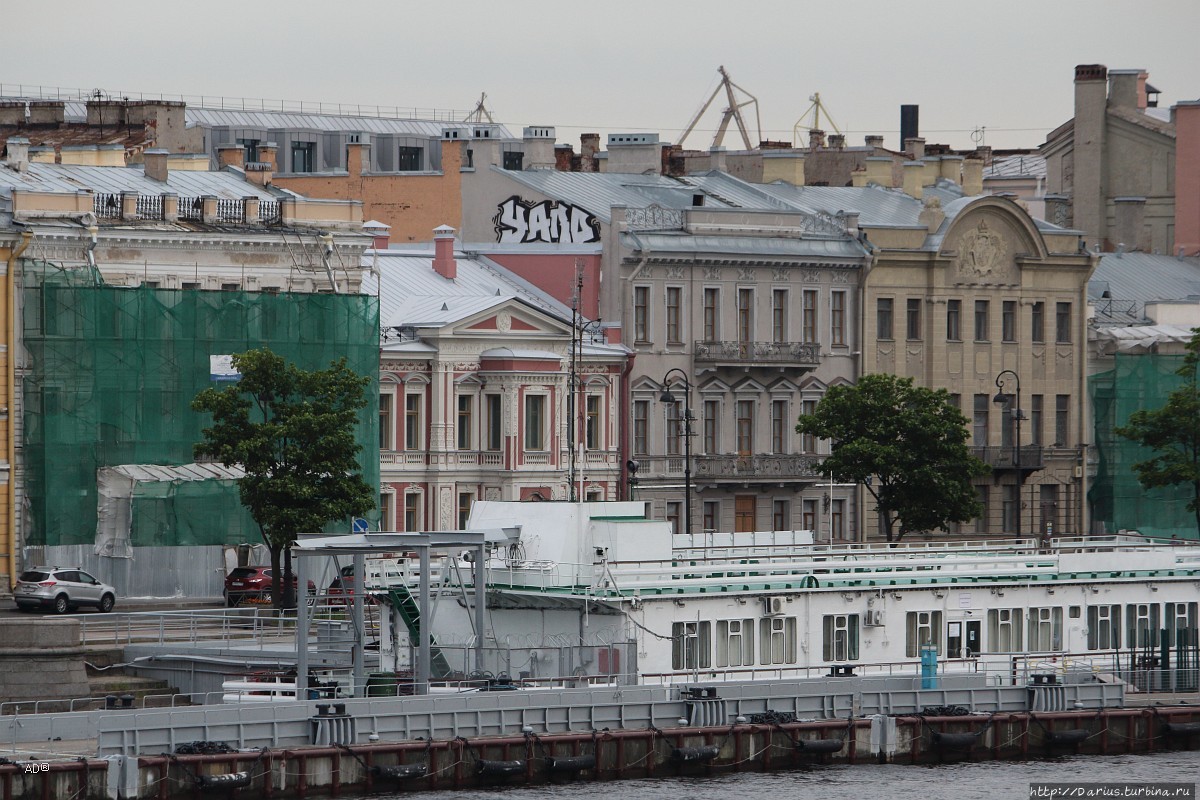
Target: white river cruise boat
(629, 601)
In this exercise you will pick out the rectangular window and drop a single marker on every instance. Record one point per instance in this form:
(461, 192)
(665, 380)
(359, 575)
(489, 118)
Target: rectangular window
(711, 432)
(883, 318)
(674, 293)
(779, 320)
(1062, 420)
(913, 319)
(745, 315)
(495, 422)
(385, 421)
(837, 318)
(514, 159)
(674, 428)
(979, 431)
(412, 512)
(777, 640)
(1008, 321)
(922, 629)
(1035, 419)
(641, 413)
(1141, 625)
(385, 512)
(1045, 630)
(808, 518)
(535, 422)
(303, 156)
(809, 316)
(1062, 323)
(981, 522)
(592, 424)
(954, 320)
(712, 314)
(466, 418)
(735, 643)
(465, 499)
(690, 647)
(781, 515)
(1037, 327)
(981, 320)
(711, 511)
(1104, 627)
(745, 427)
(409, 159)
(1004, 630)
(839, 640)
(1179, 620)
(779, 426)
(1010, 508)
(641, 314)
(808, 442)
(674, 514)
(412, 422)
(837, 519)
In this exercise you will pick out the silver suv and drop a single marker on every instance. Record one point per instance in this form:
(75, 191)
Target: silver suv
(62, 589)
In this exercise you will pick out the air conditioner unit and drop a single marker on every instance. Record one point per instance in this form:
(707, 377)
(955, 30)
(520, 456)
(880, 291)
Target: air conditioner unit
(873, 618)
(773, 606)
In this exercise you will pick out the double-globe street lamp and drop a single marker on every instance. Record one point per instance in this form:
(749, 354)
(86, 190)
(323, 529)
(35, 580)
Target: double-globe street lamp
(668, 397)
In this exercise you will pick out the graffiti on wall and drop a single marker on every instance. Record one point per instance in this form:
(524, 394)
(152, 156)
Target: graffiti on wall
(524, 222)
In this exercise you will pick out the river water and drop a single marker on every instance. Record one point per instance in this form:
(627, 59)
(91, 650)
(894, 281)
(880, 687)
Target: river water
(989, 780)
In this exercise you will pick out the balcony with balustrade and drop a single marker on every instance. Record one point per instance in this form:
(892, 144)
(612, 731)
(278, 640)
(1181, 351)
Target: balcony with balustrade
(770, 468)
(1020, 461)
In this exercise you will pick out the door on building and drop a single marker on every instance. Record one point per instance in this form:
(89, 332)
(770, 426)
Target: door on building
(744, 517)
(974, 643)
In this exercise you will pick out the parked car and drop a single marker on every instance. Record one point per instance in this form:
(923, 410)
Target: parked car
(253, 584)
(62, 589)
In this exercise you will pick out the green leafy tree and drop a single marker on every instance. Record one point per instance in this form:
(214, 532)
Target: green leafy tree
(907, 444)
(1173, 432)
(292, 431)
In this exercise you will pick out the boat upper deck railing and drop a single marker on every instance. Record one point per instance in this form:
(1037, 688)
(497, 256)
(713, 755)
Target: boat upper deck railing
(823, 567)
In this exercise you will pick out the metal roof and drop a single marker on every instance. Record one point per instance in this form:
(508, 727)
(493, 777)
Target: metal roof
(757, 246)
(72, 178)
(1024, 165)
(412, 293)
(328, 123)
(1146, 277)
(598, 192)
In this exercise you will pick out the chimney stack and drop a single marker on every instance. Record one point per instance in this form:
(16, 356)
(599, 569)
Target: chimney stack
(915, 146)
(18, 153)
(539, 147)
(379, 232)
(231, 155)
(443, 252)
(589, 145)
(909, 123)
(156, 164)
(874, 140)
(816, 139)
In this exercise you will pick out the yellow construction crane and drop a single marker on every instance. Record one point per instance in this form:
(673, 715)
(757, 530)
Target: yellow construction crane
(733, 111)
(813, 112)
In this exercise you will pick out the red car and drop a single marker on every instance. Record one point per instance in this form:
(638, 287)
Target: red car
(253, 584)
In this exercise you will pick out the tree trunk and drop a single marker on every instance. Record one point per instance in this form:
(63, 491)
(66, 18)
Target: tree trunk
(276, 584)
(288, 598)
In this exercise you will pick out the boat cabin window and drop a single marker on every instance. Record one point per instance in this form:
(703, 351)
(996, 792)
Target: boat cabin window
(1104, 627)
(1004, 630)
(1141, 625)
(692, 647)
(1045, 629)
(840, 639)
(735, 643)
(1180, 622)
(922, 628)
(777, 637)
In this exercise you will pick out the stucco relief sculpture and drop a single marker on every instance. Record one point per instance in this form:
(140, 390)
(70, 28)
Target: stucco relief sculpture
(981, 251)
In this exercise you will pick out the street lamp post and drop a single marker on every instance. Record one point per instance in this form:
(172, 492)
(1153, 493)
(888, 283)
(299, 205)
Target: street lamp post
(1013, 402)
(667, 397)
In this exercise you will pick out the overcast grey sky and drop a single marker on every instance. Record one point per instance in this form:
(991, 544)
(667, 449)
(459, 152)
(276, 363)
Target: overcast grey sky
(623, 65)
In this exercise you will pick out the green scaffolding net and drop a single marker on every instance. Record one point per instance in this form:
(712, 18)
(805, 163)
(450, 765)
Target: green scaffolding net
(112, 373)
(1118, 500)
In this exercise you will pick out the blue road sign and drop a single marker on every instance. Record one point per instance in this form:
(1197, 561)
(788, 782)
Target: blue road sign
(359, 525)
